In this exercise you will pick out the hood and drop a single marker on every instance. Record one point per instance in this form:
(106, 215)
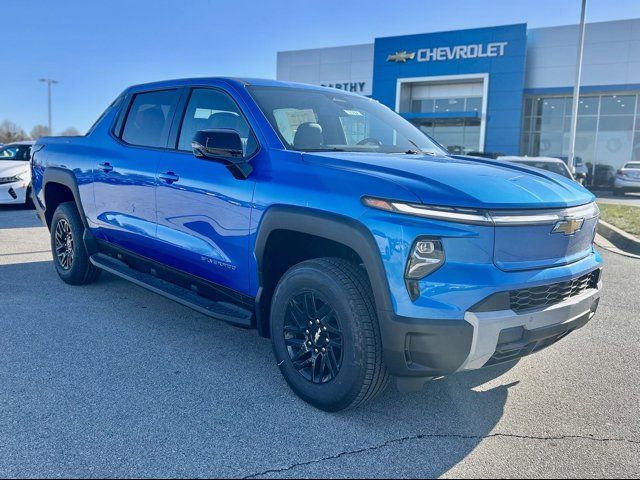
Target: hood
(462, 181)
(11, 168)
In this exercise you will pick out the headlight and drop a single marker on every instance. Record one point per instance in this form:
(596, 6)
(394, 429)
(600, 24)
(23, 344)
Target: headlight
(427, 255)
(448, 214)
(15, 178)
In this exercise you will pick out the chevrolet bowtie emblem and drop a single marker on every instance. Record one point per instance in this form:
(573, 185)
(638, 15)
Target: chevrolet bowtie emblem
(401, 57)
(568, 226)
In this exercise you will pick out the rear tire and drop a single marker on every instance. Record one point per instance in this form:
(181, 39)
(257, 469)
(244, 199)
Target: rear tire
(326, 305)
(70, 256)
(618, 192)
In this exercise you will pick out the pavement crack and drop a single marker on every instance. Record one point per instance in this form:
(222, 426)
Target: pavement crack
(438, 436)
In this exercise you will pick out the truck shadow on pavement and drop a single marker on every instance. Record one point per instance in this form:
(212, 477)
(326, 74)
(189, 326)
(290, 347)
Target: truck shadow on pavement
(17, 216)
(110, 379)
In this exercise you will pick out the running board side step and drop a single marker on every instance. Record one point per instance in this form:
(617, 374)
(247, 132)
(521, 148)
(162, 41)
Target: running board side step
(227, 312)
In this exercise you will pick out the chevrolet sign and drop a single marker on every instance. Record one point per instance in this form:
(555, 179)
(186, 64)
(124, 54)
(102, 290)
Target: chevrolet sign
(457, 52)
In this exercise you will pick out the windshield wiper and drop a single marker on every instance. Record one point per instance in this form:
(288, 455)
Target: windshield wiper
(419, 152)
(315, 150)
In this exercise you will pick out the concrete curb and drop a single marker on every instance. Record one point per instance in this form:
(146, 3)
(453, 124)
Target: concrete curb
(621, 239)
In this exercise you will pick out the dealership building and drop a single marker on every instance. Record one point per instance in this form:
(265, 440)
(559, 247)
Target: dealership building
(500, 89)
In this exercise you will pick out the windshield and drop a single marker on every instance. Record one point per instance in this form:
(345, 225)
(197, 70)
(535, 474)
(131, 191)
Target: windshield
(16, 153)
(558, 168)
(315, 120)
(632, 165)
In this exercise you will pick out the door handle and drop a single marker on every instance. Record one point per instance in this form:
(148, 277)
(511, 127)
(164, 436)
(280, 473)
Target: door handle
(106, 167)
(169, 177)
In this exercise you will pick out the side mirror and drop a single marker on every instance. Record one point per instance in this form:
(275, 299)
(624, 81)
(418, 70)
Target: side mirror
(225, 146)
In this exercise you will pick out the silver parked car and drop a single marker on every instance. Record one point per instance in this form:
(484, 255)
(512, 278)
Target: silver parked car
(550, 164)
(627, 179)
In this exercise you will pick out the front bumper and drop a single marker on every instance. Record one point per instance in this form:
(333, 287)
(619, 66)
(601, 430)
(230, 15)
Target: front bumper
(433, 348)
(504, 335)
(13, 193)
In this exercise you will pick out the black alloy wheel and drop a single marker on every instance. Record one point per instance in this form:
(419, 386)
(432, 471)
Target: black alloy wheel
(70, 256)
(64, 244)
(325, 334)
(313, 337)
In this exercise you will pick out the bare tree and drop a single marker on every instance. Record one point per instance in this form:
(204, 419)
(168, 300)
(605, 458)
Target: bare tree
(10, 132)
(70, 132)
(40, 131)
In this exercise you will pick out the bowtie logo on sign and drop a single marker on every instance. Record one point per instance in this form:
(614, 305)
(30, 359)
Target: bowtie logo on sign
(458, 52)
(401, 57)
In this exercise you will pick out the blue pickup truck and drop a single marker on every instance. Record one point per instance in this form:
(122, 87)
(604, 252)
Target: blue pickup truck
(327, 222)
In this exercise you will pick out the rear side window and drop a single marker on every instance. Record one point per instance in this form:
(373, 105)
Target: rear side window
(149, 118)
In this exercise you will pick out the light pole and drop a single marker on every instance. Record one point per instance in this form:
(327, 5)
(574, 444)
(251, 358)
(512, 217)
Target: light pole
(49, 82)
(576, 91)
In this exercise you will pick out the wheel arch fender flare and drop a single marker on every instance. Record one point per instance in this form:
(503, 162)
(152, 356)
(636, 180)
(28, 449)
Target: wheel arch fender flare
(338, 228)
(67, 178)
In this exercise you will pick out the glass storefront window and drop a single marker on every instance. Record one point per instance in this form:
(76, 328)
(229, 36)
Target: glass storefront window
(586, 106)
(446, 105)
(422, 106)
(474, 104)
(449, 105)
(635, 154)
(608, 131)
(547, 107)
(614, 140)
(618, 105)
(457, 135)
(585, 124)
(548, 123)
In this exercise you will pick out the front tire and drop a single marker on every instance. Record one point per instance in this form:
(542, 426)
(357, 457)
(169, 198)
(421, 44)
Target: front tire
(325, 334)
(70, 256)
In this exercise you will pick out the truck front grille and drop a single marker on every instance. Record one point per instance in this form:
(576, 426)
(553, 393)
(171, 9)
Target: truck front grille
(545, 295)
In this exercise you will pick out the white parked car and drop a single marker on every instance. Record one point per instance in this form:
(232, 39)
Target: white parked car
(627, 179)
(550, 164)
(15, 173)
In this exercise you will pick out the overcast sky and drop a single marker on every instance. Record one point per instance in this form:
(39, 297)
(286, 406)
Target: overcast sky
(97, 48)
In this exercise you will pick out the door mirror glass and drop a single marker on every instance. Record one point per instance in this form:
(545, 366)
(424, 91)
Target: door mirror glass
(222, 145)
(217, 144)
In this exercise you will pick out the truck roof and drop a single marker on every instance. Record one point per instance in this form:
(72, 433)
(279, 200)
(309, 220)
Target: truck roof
(240, 82)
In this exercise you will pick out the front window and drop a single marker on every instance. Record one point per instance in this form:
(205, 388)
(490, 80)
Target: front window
(315, 120)
(632, 165)
(213, 109)
(16, 153)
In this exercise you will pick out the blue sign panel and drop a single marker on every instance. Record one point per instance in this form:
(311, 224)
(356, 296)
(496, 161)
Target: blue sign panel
(497, 52)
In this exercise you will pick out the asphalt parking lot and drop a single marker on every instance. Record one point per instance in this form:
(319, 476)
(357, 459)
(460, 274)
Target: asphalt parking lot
(628, 199)
(111, 380)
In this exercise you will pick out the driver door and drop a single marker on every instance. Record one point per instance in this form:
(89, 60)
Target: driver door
(203, 211)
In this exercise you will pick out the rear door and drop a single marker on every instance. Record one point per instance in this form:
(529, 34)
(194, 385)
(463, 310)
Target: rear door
(125, 176)
(204, 212)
